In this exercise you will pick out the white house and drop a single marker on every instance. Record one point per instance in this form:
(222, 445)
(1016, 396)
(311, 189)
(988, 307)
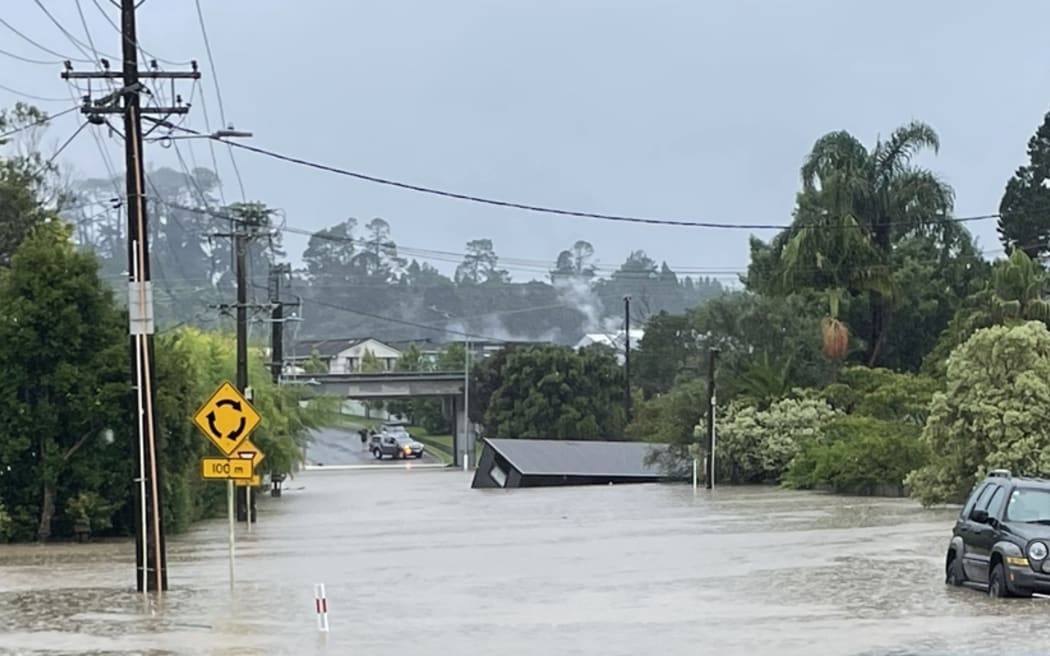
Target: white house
(348, 360)
(343, 356)
(615, 340)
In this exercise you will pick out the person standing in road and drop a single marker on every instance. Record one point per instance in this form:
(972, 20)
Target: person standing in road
(364, 439)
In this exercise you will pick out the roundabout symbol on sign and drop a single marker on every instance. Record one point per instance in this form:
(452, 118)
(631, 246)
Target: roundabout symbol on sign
(227, 419)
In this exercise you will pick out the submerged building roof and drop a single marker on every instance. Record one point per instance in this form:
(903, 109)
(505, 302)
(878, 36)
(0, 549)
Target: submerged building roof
(534, 462)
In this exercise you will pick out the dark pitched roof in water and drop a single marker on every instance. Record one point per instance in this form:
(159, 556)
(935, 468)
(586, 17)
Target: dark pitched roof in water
(577, 457)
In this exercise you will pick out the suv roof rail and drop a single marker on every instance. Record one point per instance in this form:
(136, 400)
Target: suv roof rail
(999, 473)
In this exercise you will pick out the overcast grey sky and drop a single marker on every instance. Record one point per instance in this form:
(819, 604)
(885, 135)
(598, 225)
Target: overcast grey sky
(677, 109)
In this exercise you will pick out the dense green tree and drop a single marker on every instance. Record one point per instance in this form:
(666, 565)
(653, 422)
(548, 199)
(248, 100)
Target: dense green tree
(329, 255)
(1024, 211)
(486, 378)
(481, 265)
(64, 358)
(854, 207)
(576, 262)
(858, 455)
(669, 348)
(873, 443)
(556, 392)
(23, 183)
(991, 414)
(932, 276)
(882, 394)
(1014, 293)
(378, 262)
(64, 420)
(669, 418)
(190, 364)
(751, 331)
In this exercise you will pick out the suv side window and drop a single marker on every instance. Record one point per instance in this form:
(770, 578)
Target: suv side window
(995, 503)
(979, 494)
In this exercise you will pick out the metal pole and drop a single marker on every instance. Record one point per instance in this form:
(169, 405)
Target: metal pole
(229, 511)
(142, 538)
(248, 503)
(466, 406)
(712, 354)
(627, 358)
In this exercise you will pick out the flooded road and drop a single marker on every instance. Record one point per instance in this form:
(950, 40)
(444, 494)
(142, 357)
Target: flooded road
(415, 563)
(342, 447)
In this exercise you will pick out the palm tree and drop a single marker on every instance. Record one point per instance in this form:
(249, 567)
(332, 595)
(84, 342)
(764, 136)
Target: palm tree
(1016, 292)
(854, 206)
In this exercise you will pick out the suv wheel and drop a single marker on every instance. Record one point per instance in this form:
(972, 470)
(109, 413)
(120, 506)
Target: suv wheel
(997, 582)
(378, 454)
(953, 574)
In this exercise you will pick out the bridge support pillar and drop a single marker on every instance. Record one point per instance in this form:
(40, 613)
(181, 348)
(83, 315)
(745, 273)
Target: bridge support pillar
(462, 436)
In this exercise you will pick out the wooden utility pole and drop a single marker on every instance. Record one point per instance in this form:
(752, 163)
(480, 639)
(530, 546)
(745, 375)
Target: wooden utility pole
(150, 553)
(249, 223)
(277, 320)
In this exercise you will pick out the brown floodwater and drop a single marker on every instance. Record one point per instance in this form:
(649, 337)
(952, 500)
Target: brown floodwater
(416, 563)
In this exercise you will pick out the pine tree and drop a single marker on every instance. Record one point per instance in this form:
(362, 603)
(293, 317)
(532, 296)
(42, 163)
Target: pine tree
(1024, 212)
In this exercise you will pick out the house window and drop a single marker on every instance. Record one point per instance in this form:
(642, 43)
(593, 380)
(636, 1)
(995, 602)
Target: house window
(498, 475)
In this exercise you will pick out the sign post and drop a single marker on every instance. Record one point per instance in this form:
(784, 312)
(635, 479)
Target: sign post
(251, 453)
(227, 419)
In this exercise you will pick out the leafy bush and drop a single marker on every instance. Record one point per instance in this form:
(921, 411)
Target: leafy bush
(882, 394)
(756, 446)
(858, 455)
(92, 510)
(992, 413)
(6, 524)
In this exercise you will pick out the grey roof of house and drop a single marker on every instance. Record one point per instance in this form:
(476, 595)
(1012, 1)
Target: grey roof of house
(402, 344)
(325, 347)
(577, 457)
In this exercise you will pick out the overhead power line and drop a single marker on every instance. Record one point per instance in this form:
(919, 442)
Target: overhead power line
(142, 50)
(29, 60)
(38, 122)
(41, 46)
(30, 96)
(516, 205)
(402, 322)
(77, 43)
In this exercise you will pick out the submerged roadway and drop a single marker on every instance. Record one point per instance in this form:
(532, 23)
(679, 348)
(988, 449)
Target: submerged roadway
(416, 563)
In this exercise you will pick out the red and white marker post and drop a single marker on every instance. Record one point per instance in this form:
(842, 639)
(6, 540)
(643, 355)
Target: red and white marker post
(321, 606)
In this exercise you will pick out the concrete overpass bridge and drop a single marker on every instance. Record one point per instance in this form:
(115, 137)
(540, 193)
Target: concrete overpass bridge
(448, 386)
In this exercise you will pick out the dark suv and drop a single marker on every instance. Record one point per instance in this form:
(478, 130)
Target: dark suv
(1002, 539)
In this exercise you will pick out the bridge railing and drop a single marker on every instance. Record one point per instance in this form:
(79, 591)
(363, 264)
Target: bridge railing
(377, 374)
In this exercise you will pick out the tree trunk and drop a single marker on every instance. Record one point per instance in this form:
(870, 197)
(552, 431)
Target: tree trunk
(880, 305)
(47, 512)
(879, 326)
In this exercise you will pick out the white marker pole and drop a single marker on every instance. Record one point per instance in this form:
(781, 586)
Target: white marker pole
(321, 606)
(696, 466)
(229, 510)
(714, 429)
(248, 500)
